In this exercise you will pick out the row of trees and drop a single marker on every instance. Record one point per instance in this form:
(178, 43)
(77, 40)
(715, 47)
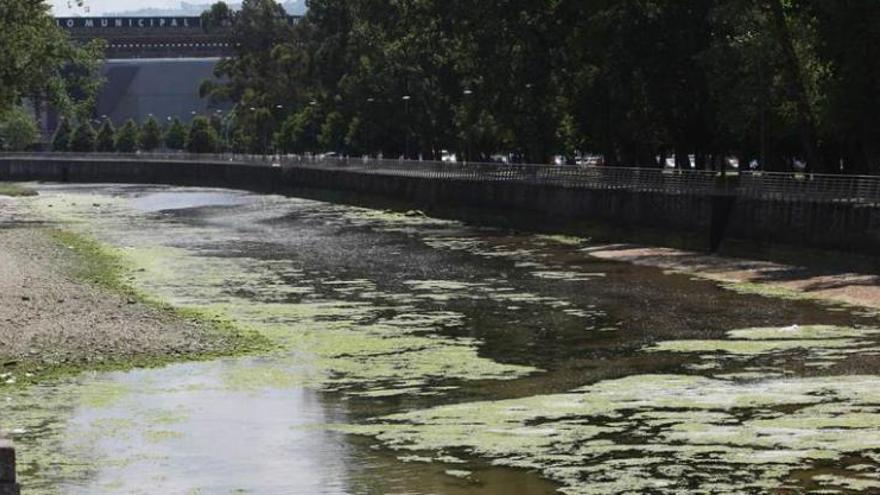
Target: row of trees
(201, 137)
(636, 81)
(18, 130)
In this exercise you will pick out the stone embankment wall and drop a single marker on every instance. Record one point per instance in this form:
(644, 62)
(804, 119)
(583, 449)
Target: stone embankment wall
(8, 485)
(853, 227)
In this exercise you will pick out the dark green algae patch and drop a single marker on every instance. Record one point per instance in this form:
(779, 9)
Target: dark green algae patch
(94, 263)
(15, 190)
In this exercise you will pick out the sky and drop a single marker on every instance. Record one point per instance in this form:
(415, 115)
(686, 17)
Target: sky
(100, 7)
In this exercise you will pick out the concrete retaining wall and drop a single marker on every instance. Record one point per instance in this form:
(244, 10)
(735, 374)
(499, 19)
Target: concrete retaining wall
(839, 226)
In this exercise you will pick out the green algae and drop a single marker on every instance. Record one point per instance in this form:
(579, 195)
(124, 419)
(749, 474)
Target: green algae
(15, 190)
(442, 291)
(675, 432)
(326, 342)
(749, 347)
(49, 450)
(766, 290)
(160, 436)
(802, 332)
(568, 276)
(859, 484)
(817, 346)
(564, 240)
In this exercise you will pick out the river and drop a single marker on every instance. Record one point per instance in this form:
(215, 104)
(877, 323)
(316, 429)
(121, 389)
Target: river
(419, 356)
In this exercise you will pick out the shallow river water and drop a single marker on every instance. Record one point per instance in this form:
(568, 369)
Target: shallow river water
(422, 356)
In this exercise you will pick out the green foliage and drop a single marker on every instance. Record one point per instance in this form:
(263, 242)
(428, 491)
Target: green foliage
(61, 139)
(14, 190)
(202, 137)
(83, 139)
(175, 137)
(128, 139)
(151, 135)
(106, 137)
(333, 131)
(632, 80)
(18, 130)
(299, 133)
(39, 61)
(218, 16)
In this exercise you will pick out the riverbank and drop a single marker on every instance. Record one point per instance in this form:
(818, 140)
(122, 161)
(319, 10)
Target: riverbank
(65, 307)
(785, 279)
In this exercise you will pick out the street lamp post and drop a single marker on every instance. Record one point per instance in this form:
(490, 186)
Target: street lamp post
(226, 128)
(406, 130)
(369, 133)
(260, 131)
(468, 127)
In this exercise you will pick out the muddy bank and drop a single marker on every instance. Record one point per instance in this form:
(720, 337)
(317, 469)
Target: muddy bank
(64, 307)
(771, 278)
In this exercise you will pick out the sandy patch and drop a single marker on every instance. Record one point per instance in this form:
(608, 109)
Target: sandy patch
(851, 288)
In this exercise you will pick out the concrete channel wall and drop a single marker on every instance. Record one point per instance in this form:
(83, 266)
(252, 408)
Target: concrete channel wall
(852, 226)
(8, 485)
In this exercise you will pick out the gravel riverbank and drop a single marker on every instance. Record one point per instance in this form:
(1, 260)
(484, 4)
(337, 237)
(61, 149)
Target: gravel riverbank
(53, 320)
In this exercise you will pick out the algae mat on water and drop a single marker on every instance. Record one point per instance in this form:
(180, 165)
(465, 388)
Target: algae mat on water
(380, 343)
(749, 432)
(665, 434)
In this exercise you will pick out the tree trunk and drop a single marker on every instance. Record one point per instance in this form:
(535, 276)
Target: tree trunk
(682, 158)
(795, 86)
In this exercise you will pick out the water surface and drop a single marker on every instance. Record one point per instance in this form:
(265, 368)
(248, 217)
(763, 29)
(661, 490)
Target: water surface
(422, 356)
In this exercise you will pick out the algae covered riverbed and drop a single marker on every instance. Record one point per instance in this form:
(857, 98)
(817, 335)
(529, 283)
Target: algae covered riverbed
(416, 355)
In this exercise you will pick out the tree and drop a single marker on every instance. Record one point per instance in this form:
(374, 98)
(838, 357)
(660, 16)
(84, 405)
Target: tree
(128, 139)
(636, 81)
(106, 137)
(84, 137)
(151, 135)
(175, 137)
(18, 130)
(202, 137)
(299, 133)
(333, 131)
(847, 51)
(40, 62)
(796, 83)
(218, 16)
(63, 134)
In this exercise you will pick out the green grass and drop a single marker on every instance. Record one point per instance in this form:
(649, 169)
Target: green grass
(96, 264)
(15, 190)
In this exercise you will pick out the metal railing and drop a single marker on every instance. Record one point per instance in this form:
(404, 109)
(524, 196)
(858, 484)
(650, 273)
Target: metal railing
(750, 184)
(587, 177)
(863, 189)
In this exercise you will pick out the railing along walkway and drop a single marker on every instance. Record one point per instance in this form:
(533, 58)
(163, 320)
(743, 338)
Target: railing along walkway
(860, 189)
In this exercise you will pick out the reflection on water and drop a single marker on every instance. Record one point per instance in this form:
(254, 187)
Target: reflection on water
(180, 429)
(457, 355)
